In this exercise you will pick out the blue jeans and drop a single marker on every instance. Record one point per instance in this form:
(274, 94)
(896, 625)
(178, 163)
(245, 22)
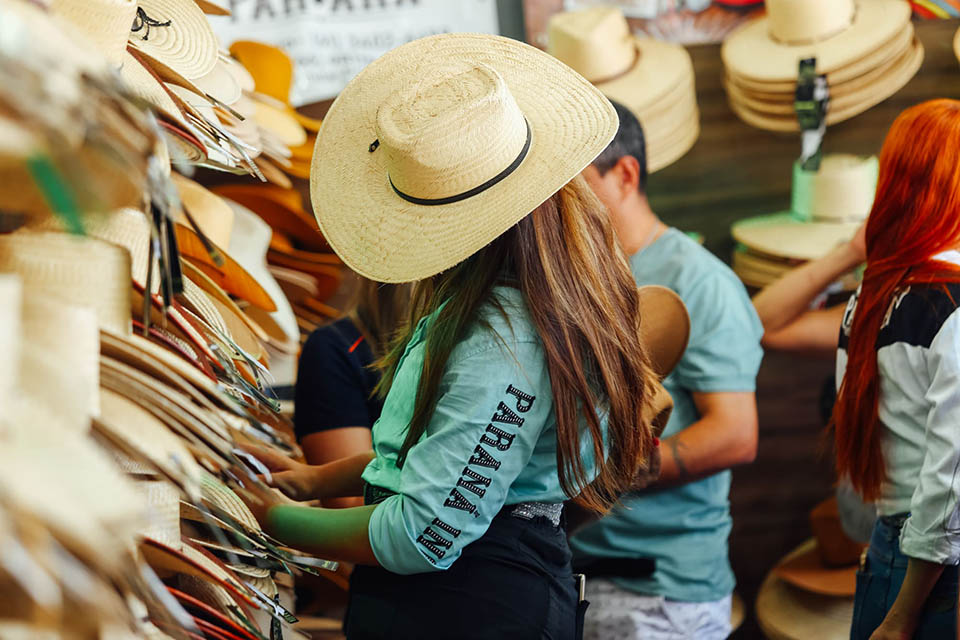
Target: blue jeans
(879, 580)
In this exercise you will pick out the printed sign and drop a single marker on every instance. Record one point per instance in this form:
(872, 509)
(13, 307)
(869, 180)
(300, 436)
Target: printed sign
(331, 40)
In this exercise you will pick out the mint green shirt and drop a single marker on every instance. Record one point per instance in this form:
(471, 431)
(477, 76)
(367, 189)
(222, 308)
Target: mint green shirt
(491, 442)
(685, 528)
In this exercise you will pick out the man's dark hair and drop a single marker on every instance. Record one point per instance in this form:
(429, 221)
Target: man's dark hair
(629, 141)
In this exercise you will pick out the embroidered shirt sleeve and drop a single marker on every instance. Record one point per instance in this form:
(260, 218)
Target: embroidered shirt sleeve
(489, 415)
(932, 532)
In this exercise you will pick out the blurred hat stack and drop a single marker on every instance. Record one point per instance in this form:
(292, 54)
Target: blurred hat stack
(867, 50)
(142, 328)
(827, 207)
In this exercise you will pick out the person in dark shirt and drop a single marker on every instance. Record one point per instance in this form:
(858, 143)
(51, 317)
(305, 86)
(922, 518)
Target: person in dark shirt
(336, 400)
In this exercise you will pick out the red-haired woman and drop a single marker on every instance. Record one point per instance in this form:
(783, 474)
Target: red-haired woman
(897, 415)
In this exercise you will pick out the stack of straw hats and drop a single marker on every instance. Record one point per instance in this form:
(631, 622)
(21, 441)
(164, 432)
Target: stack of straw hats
(653, 79)
(866, 49)
(122, 398)
(809, 594)
(827, 207)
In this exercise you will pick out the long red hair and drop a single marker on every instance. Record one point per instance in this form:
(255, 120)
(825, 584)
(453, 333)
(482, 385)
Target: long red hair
(915, 216)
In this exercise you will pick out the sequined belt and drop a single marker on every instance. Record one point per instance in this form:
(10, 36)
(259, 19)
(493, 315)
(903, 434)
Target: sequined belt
(523, 510)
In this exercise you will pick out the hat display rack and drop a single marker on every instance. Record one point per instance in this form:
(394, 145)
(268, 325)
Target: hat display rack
(809, 594)
(831, 195)
(652, 78)
(866, 49)
(138, 323)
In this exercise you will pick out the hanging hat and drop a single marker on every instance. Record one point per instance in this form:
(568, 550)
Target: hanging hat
(653, 79)
(827, 207)
(176, 38)
(272, 72)
(850, 39)
(215, 219)
(410, 180)
(248, 243)
(78, 270)
(282, 209)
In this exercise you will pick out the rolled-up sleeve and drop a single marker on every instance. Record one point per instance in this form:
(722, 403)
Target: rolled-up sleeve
(491, 408)
(932, 532)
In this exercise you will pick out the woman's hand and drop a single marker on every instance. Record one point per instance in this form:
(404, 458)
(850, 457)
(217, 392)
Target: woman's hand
(296, 480)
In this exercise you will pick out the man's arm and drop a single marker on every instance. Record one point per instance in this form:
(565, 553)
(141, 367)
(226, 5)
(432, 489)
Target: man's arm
(725, 436)
(783, 307)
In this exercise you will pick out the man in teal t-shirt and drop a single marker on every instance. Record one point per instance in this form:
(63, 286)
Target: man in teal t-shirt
(682, 522)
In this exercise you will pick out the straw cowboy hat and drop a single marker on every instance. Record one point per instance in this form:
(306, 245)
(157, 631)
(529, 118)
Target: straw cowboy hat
(850, 39)
(77, 270)
(653, 79)
(215, 220)
(411, 179)
(827, 207)
(248, 244)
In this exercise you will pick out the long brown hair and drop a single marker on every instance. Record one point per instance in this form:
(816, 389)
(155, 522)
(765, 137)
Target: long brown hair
(378, 310)
(583, 301)
(915, 216)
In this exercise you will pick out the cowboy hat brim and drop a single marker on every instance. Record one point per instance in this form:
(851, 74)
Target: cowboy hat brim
(388, 239)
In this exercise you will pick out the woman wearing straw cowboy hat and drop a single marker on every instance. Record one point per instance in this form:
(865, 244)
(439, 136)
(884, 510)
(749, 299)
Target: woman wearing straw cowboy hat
(521, 380)
(897, 409)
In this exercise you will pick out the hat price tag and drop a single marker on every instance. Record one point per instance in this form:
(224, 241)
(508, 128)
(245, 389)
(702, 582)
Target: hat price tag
(811, 102)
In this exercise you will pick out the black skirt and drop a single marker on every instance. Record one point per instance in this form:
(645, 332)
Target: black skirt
(514, 582)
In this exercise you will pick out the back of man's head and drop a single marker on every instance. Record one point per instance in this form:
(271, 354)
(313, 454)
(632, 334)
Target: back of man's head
(629, 141)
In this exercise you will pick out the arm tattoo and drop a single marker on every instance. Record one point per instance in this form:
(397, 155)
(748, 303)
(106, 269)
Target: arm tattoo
(675, 446)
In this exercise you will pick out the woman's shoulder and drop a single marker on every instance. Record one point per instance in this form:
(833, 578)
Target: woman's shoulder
(918, 312)
(503, 324)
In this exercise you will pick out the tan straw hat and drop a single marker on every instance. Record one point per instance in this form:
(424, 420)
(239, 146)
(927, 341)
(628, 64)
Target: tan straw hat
(78, 270)
(176, 38)
(11, 299)
(162, 501)
(653, 79)
(788, 613)
(138, 432)
(409, 179)
(827, 208)
(836, 32)
(865, 48)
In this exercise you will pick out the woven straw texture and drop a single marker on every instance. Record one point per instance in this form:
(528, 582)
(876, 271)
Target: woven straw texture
(221, 496)
(162, 500)
(102, 23)
(467, 141)
(752, 51)
(140, 431)
(11, 297)
(187, 46)
(77, 270)
(61, 342)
